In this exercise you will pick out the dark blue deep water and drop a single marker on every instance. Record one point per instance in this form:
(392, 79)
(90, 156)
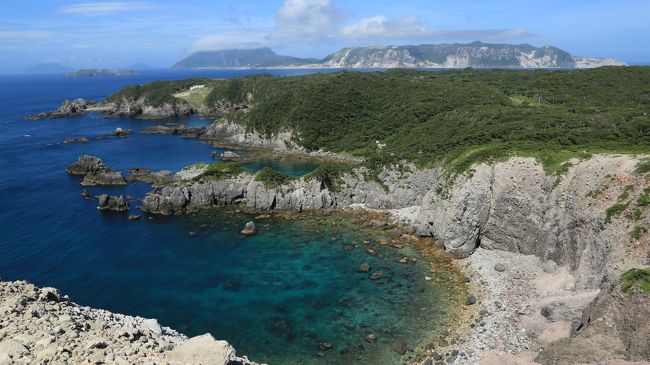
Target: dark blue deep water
(275, 296)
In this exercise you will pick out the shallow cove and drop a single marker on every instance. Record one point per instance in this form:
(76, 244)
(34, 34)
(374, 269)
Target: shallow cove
(275, 296)
(296, 283)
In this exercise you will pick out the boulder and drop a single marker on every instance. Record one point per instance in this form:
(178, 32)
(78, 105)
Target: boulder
(400, 346)
(249, 229)
(50, 295)
(204, 350)
(364, 267)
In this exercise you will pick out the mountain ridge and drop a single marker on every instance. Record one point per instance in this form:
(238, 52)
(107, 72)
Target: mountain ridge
(450, 55)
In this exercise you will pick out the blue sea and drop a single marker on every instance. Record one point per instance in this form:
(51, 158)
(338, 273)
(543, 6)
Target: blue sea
(275, 296)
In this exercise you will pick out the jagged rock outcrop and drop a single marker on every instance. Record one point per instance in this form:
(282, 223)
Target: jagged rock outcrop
(95, 172)
(514, 206)
(228, 133)
(155, 178)
(186, 132)
(39, 325)
(67, 108)
(615, 326)
(112, 203)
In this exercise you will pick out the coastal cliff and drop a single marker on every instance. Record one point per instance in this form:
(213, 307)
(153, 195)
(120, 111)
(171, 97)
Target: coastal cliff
(510, 206)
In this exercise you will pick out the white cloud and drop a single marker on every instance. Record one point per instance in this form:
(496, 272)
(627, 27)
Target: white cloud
(306, 20)
(411, 27)
(229, 41)
(105, 8)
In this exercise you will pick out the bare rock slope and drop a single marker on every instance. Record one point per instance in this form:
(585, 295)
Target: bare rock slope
(40, 326)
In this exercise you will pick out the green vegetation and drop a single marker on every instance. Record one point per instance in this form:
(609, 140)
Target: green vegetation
(626, 193)
(613, 211)
(635, 281)
(329, 174)
(196, 97)
(450, 118)
(594, 193)
(271, 178)
(644, 199)
(220, 171)
(637, 232)
(643, 167)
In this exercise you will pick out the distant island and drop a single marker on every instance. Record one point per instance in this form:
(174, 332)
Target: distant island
(457, 55)
(100, 72)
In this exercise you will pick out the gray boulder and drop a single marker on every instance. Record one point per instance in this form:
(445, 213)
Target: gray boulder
(112, 203)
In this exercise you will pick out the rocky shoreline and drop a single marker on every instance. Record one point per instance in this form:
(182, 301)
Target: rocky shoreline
(40, 325)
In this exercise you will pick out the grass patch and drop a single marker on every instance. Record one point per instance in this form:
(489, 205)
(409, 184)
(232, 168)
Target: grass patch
(637, 232)
(613, 211)
(196, 97)
(635, 281)
(594, 193)
(329, 174)
(626, 193)
(644, 198)
(271, 178)
(643, 167)
(220, 171)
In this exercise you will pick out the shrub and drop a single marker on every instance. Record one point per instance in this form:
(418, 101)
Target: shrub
(271, 178)
(636, 280)
(220, 171)
(330, 175)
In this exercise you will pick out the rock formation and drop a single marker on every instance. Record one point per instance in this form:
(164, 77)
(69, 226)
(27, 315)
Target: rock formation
(155, 178)
(39, 325)
(112, 203)
(95, 172)
(69, 108)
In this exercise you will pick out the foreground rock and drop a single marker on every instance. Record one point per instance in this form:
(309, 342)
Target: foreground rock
(112, 203)
(41, 326)
(95, 172)
(615, 325)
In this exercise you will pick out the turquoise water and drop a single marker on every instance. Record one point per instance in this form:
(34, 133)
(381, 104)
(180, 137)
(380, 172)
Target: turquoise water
(275, 296)
(293, 167)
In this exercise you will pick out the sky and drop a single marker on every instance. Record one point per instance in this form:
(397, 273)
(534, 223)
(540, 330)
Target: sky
(118, 34)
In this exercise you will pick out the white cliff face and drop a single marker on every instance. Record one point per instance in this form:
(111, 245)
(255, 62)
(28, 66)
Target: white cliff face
(234, 134)
(594, 62)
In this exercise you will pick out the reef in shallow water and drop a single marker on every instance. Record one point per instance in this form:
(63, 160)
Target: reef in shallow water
(311, 289)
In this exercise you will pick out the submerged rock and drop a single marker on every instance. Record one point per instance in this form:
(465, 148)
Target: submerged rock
(112, 203)
(119, 132)
(364, 267)
(76, 139)
(400, 346)
(249, 229)
(135, 217)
